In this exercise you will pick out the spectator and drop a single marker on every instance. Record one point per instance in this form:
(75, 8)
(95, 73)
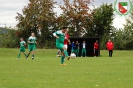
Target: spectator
(110, 47)
(83, 49)
(73, 47)
(96, 47)
(77, 46)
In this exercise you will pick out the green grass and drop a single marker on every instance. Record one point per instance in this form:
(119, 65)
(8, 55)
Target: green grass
(46, 72)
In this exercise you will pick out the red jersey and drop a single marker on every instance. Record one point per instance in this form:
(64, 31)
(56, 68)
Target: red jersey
(96, 45)
(110, 45)
(66, 39)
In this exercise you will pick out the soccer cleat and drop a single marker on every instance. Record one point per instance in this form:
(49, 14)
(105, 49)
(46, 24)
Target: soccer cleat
(63, 64)
(68, 58)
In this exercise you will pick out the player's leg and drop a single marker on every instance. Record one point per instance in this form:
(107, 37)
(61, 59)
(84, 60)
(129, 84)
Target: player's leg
(24, 52)
(62, 58)
(33, 51)
(19, 53)
(30, 49)
(63, 49)
(33, 54)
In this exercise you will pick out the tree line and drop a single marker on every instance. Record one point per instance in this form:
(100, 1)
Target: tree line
(38, 16)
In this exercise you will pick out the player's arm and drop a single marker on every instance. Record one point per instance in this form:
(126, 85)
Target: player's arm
(24, 43)
(55, 35)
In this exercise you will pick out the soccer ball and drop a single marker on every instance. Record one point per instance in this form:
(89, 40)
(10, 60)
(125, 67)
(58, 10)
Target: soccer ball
(73, 55)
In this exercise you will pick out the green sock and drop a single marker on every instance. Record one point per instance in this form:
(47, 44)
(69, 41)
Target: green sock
(32, 55)
(62, 59)
(65, 52)
(18, 55)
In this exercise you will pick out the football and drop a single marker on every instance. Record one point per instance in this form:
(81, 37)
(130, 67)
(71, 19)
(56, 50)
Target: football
(73, 55)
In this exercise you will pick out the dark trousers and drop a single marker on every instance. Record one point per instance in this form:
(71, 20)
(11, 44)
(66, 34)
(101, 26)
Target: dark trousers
(69, 52)
(96, 52)
(110, 53)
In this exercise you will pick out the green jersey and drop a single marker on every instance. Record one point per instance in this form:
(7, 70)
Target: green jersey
(61, 36)
(22, 43)
(32, 40)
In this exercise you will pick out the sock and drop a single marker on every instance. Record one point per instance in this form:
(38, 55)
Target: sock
(32, 55)
(65, 52)
(28, 54)
(62, 59)
(18, 55)
(25, 54)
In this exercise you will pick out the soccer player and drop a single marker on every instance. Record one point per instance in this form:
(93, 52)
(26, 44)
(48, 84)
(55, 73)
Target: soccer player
(60, 36)
(69, 48)
(32, 45)
(96, 46)
(22, 47)
(83, 48)
(110, 47)
(77, 48)
(66, 40)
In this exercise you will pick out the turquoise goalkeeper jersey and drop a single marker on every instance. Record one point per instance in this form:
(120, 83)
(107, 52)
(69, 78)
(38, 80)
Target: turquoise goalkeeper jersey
(61, 36)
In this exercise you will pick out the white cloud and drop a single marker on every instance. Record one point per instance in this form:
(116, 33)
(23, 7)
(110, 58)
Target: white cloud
(9, 8)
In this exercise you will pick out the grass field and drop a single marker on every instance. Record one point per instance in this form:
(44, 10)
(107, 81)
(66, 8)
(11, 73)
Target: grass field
(45, 71)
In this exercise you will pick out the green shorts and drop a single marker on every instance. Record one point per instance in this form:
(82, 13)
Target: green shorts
(77, 50)
(22, 49)
(60, 46)
(31, 47)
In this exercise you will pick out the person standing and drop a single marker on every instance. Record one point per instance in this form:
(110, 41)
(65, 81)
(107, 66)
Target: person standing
(60, 36)
(66, 40)
(73, 47)
(77, 46)
(32, 45)
(83, 48)
(110, 47)
(69, 48)
(96, 47)
(22, 47)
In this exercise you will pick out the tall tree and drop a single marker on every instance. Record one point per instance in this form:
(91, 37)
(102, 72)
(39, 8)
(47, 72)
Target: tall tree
(39, 17)
(102, 21)
(76, 15)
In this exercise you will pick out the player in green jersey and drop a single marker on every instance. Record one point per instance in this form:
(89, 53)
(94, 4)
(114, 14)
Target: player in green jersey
(31, 45)
(22, 47)
(60, 36)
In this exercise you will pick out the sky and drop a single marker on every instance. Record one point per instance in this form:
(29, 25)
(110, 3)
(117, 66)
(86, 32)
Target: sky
(9, 9)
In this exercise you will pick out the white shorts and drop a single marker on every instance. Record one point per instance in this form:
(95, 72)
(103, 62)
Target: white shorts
(65, 46)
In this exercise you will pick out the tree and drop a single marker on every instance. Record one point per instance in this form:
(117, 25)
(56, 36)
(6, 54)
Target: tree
(8, 38)
(76, 15)
(102, 21)
(38, 16)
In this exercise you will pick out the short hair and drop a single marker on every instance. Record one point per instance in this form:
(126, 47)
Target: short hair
(21, 37)
(64, 27)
